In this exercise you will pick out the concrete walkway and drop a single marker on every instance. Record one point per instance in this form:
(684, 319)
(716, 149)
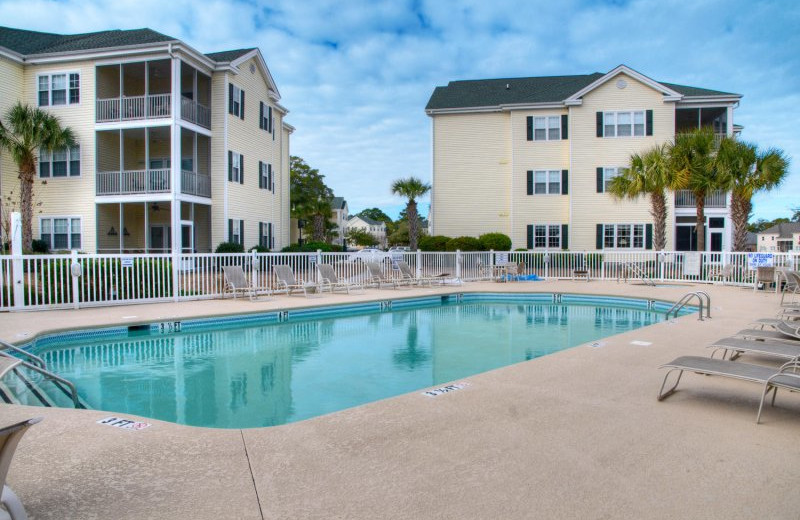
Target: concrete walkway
(577, 434)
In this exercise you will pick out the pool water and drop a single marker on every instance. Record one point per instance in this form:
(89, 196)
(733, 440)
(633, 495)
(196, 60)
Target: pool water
(266, 374)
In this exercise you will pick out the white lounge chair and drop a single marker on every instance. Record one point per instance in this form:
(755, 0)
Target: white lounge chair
(9, 439)
(377, 278)
(772, 378)
(329, 280)
(237, 282)
(288, 282)
(410, 277)
(731, 348)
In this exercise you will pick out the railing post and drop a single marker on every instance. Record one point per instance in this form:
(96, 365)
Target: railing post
(458, 264)
(16, 255)
(546, 260)
(419, 263)
(75, 272)
(254, 268)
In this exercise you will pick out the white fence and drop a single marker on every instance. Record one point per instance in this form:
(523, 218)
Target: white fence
(81, 280)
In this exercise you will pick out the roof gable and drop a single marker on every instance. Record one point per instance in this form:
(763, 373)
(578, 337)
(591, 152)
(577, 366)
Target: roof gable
(669, 94)
(783, 229)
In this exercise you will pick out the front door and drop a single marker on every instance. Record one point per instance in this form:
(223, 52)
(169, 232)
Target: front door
(187, 237)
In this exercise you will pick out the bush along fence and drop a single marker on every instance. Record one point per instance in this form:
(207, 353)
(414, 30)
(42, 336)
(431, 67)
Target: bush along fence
(83, 280)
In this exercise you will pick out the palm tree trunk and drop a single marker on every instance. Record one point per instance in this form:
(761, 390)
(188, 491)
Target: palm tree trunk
(27, 173)
(319, 228)
(700, 202)
(658, 202)
(413, 224)
(740, 210)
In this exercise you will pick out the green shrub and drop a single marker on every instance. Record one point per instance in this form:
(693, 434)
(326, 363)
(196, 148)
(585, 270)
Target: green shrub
(520, 249)
(464, 244)
(40, 246)
(496, 241)
(311, 247)
(229, 247)
(258, 249)
(433, 243)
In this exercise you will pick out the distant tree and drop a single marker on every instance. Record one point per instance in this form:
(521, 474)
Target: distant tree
(762, 224)
(375, 214)
(360, 237)
(310, 196)
(400, 235)
(25, 133)
(748, 171)
(796, 214)
(411, 188)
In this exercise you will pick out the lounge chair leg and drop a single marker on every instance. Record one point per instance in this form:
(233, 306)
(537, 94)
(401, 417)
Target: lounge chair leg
(761, 404)
(663, 395)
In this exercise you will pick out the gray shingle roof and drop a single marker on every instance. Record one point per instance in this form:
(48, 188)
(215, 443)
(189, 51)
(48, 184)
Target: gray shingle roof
(338, 203)
(784, 229)
(33, 42)
(509, 91)
(227, 56)
(366, 219)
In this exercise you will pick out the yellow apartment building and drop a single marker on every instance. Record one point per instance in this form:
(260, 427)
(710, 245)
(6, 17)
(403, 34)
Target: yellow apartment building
(531, 158)
(177, 150)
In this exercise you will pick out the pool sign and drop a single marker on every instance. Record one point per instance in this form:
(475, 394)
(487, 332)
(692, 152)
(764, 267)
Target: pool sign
(436, 392)
(125, 424)
(127, 261)
(691, 264)
(755, 260)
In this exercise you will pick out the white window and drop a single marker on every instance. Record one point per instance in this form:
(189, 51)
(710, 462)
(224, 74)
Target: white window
(608, 176)
(236, 104)
(265, 236)
(547, 182)
(59, 89)
(623, 236)
(623, 124)
(265, 176)
(236, 227)
(236, 168)
(547, 128)
(64, 162)
(547, 236)
(61, 232)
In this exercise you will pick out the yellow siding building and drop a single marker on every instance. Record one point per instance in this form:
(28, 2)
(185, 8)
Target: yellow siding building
(530, 157)
(177, 150)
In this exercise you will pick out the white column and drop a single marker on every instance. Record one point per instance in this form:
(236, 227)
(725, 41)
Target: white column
(176, 178)
(16, 253)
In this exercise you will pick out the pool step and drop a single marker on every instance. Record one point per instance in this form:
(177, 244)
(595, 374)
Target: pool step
(27, 387)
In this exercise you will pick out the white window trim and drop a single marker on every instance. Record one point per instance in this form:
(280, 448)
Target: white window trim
(50, 75)
(237, 96)
(547, 236)
(633, 125)
(236, 226)
(236, 167)
(547, 127)
(547, 182)
(70, 218)
(607, 177)
(632, 226)
(69, 160)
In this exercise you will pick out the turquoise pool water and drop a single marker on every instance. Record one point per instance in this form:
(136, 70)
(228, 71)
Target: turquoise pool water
(280, 368)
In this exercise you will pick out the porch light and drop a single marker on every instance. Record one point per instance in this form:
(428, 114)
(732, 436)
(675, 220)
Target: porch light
(112, 232)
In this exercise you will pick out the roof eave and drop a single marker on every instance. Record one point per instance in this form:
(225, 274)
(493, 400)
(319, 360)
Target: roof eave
(506, 107)
(104, 52)
(11, 55)
(669, 94)
(723, 98)
(233, 66)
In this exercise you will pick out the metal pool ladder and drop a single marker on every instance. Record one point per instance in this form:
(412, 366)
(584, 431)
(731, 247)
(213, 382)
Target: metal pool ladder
(37, 364)
(702, 297)
(637, 272)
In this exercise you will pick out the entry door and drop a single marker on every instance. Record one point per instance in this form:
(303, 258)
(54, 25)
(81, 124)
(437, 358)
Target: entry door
(187, 237)
(686, 238)
(160, 237)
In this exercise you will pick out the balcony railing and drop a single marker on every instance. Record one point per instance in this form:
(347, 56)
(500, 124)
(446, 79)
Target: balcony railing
(194, 112)
(132, 182)
(685, 199)
(134, 107)
(193, 183)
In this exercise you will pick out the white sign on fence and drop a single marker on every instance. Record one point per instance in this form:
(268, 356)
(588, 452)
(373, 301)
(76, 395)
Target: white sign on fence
(501, 258)
(691, 264)
(755, 260)
(126, 261)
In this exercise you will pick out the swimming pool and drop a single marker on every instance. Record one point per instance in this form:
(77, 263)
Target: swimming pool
(281, 367)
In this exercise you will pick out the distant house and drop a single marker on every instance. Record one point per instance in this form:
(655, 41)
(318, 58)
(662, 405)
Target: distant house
(376, 228)
(751, 242)
(780, 237)
(339, 216)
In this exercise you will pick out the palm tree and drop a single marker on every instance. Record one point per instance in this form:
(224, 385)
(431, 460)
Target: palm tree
(650, 174)
(693, 159)
(411, 188)
(26, 131)
(320, 211)
(748, 171)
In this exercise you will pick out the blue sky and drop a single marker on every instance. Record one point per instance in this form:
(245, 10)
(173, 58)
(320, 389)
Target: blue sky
(356, 75)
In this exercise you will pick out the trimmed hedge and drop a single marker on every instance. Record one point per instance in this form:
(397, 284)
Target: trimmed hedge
(496, 241)
(464, 244)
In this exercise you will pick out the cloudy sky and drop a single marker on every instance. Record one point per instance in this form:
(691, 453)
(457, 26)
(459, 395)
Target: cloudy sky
(356, 74)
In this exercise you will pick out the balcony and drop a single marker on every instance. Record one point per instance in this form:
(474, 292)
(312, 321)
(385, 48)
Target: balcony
(127, 108)
(685, 199)
(193, 183)
(133, 182)
(195, 112)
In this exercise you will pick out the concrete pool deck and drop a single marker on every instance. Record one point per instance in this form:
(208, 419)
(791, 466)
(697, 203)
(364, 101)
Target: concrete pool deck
(576, 434)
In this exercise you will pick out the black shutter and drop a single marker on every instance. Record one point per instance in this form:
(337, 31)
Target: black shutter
(270, 119)
(564, 182)
(270, 238)
(230, 165)
(564, 236)
(564, 127)
(648, 236)
(261, 234)
(599, 124)
(260, 176)
(530, 182)
(648, 118)
(230, 230)
(599, 180)
(530, 128)
(241, 105)
(241, 232)
(530, 236)
(241, 169)
(230, 98)
(261, 116)
(598, 244)
(270, 179)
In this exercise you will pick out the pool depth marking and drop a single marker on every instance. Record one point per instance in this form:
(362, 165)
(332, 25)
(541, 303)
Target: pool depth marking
(436, 392)
(124, 424)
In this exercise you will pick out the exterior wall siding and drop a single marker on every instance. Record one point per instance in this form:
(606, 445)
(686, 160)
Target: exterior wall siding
(11, 91)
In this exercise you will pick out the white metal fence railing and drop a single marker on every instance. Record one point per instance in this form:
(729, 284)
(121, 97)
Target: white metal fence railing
(80, 280)
(134, 107)
(195, 112)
